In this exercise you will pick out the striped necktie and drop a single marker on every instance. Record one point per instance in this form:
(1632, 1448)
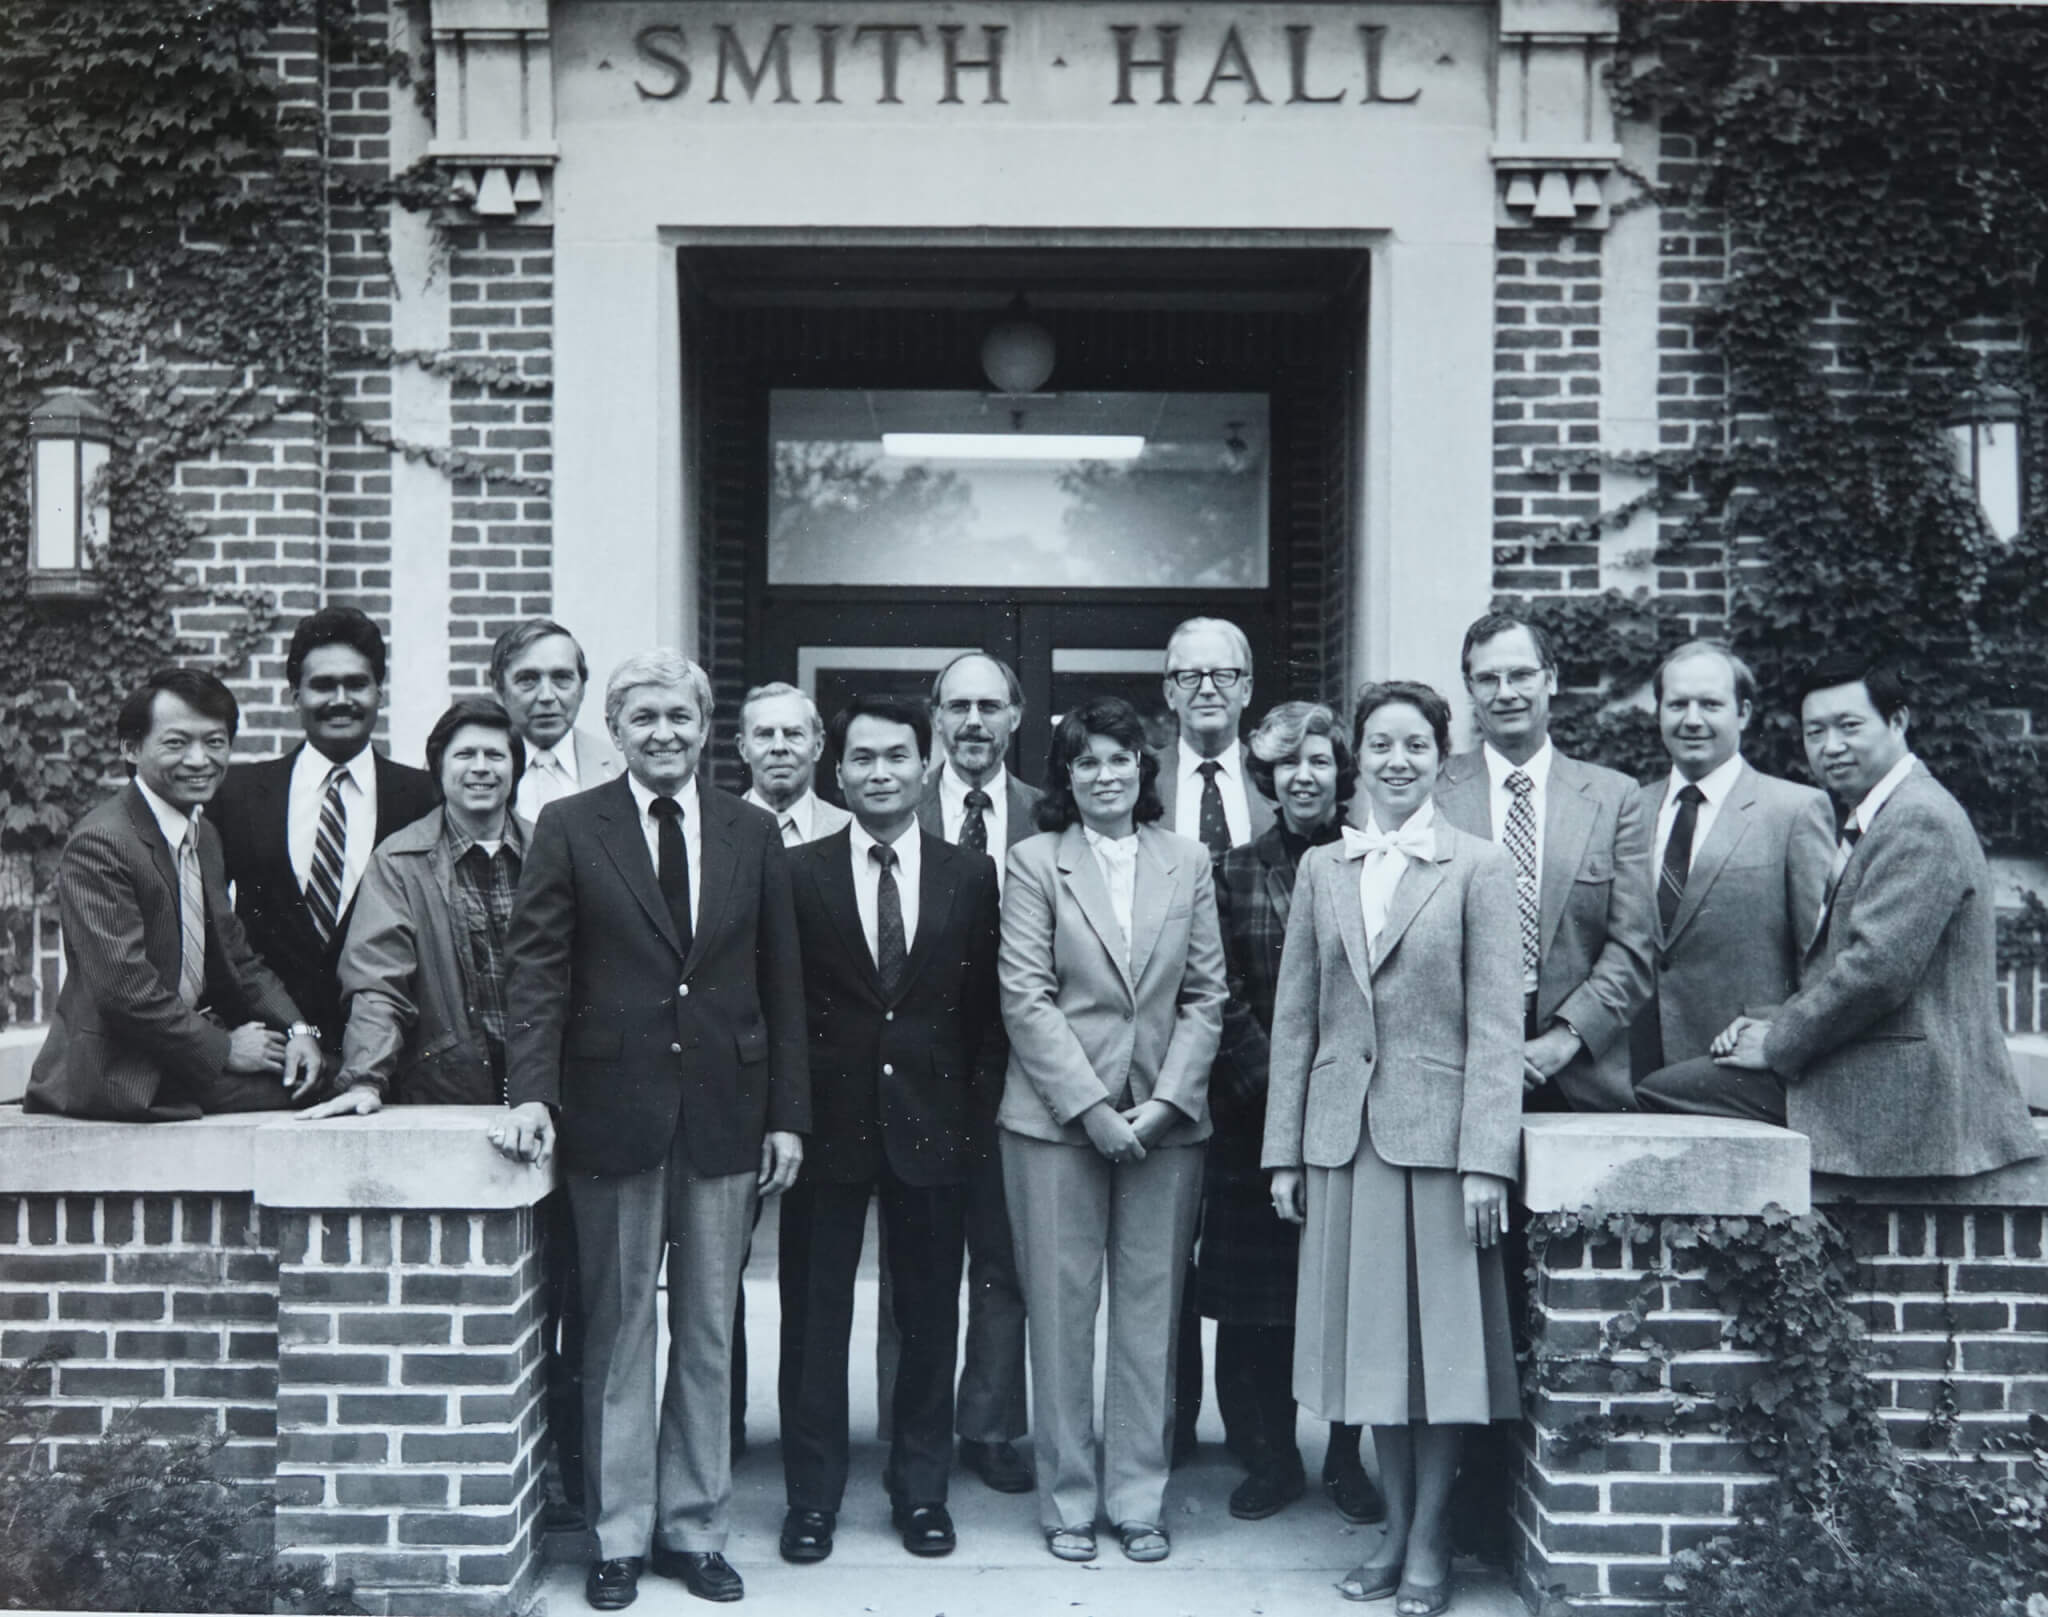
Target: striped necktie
(1519, 837)
(191, 917)
(323, 884)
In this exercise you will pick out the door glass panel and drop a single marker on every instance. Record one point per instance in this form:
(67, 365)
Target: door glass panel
(1066, 491)
(832, 675)
(1079, 672)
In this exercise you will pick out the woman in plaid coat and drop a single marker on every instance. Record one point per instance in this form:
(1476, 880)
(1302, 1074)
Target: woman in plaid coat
(1300, 759)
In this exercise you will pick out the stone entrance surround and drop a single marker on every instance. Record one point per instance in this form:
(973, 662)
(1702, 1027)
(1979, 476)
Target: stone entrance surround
(354, 1306)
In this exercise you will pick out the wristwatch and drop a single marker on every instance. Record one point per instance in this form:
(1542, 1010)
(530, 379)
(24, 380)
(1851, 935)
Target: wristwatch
(303, 1029)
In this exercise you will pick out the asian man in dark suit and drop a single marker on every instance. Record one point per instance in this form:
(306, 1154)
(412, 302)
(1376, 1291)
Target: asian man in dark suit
(1890, 1058)
(166, 1013)
(899, 932)
(299, 830)
(1740, 861)
(1580, 843)
(655, 1014)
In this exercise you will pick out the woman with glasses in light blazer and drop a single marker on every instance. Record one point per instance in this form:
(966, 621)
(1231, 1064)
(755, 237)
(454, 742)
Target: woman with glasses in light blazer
(1112, 986)
(1393, 1117)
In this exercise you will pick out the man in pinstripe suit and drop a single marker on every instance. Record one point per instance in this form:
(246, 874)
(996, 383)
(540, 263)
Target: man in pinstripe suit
(166, 1012)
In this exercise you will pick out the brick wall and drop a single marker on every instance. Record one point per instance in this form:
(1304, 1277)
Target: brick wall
(162, 1308)
(1956, 1302)
(1546, 406)
(501, 561)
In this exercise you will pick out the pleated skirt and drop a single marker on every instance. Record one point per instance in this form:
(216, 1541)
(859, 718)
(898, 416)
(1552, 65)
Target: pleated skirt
(1398, 1316)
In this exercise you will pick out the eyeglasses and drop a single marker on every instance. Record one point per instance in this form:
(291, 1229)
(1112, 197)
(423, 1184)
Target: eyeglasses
(1190, 679)
(1088, 766)
(1514, 679)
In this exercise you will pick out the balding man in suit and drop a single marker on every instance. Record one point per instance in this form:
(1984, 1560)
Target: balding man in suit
(1741, 860)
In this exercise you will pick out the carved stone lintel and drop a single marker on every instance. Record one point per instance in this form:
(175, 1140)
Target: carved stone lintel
(494, 114)
(1554, 139)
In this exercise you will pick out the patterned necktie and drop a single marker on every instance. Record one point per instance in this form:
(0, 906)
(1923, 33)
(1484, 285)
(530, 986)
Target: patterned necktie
(1213, 829)
(973, 825)
(1519, 836)
(889, 941)
(672, 869)
(191, 917)
(330, 842)
(1678, 855)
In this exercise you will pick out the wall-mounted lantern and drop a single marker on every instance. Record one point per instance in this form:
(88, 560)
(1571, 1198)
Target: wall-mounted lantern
(70, 441)
(1986, 443)
(1017, 353)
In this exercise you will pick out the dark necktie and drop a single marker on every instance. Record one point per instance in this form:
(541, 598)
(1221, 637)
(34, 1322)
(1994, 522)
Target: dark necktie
(672, 869)
(973, 826)
(1214, 827)
(889, 941)
(1678, 855)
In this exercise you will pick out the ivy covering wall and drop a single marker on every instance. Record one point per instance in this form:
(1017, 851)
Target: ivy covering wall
(1882, 175)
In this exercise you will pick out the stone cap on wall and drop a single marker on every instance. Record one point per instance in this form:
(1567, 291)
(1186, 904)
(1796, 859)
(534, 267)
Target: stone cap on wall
(2024, 1184)
(428, 1157)
(1629, 1163)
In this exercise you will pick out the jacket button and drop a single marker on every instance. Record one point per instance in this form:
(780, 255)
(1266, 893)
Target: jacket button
(1127, 1015)
(683, 989)
(888, 1071)
(675, 1049)
(888, 1016)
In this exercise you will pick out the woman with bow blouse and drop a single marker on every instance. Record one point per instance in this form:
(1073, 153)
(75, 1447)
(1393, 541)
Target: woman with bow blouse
(1393, 1130)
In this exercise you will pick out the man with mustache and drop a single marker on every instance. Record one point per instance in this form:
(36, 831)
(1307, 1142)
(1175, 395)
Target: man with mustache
(166, 1012)
(299, 830)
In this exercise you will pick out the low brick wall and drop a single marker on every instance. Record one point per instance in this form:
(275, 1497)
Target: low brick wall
(1615, 1478)
(354, 1305)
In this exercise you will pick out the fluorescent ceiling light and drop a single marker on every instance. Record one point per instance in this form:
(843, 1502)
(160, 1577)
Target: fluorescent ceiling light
(1040, 446)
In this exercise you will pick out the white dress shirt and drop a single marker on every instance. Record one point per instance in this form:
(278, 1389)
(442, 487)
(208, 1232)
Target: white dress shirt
(867, 882)
(551, 772)
(1118, 859)
(1714, 787)
(302, 817)
(1880, 794)
(798, 822)
(1187, 803)
(173, 822)
(693, 833)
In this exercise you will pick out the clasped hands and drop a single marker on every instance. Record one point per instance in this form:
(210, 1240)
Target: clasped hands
(1125, 1136)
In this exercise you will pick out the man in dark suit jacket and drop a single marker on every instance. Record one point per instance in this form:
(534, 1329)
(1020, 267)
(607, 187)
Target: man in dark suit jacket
(974, 802)
(166, 1012)
(1891, 1055)
(1740, 860)
(299, 830)
(655, 1014)
(1581, 847)
(899, 934)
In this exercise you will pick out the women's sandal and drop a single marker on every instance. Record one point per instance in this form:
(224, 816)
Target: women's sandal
(1071, 1543)
(1143, 1541)
(1423, 1599)
(1371, 1582)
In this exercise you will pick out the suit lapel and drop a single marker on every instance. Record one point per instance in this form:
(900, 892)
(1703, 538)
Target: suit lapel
(931, 813)
(715, 859)
(1152, 896)
(1084, 880)
(937, 886)
(833, 871)
(619, 832)
(1463, 796)
(1730, 826)
(1566, 830)
(1411, 892)
(152, 836)
(1023, 804)
(1350, 916)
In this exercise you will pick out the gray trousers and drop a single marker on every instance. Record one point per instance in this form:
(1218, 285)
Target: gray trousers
(665, 1480)
(1078, 1215)
(990, 1406)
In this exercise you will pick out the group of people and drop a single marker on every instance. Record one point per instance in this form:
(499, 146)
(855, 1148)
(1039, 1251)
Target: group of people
(1243, 1028)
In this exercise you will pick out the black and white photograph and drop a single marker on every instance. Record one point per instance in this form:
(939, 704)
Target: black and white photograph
(1024, 808)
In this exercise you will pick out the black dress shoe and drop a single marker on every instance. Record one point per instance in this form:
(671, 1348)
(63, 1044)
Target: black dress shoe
(997, 1464)
(1266, 1492)
(705, 1573)
(807, 1535)
(613, 1585)
(1352, 1492)
(926, 1529)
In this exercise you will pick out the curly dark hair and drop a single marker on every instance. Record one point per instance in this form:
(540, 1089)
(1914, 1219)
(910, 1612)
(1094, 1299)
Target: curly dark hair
(1108, 716)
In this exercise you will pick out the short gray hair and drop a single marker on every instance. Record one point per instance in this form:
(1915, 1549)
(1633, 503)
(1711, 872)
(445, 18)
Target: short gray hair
(669, 669)
(782, 687)
(1222, 626)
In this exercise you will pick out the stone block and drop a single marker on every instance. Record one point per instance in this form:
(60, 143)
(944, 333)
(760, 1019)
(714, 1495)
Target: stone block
(1626, 1163)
